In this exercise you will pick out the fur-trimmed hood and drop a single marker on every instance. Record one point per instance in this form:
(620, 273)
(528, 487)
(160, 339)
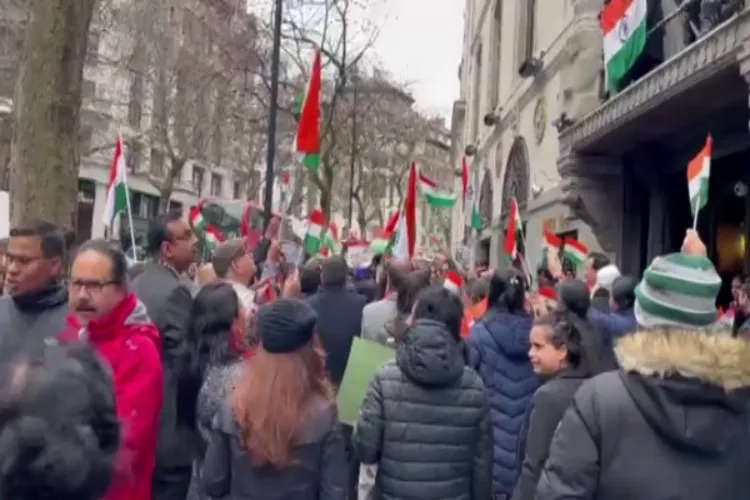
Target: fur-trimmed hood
(718, 359)
(692, 387)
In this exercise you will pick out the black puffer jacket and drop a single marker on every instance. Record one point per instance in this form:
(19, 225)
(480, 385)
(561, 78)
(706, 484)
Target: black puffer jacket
(674, 422)
(426, 422)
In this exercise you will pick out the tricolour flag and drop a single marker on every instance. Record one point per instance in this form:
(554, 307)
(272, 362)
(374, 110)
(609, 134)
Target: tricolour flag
(406, 234)
(513, 232)
(698, 174)
(314, 232)
(383, 238)
(453, 281)
(434, 196)
(117, 189)
(208, 233)
(623, 25)
(331, 240)
(575, 251)
(308, 128)
(552, 243)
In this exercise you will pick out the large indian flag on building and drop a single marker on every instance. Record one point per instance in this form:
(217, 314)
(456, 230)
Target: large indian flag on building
(698, 174)
(117, 189)
(623, 25)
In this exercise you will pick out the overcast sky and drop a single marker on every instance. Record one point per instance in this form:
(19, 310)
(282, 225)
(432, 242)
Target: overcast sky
(420, 42)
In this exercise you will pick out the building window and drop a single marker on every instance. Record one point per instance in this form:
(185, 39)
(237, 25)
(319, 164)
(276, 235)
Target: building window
(198, 180)
(157, 163)
(477, 94)
(175, 206)
(144, 206)
(527, 35)
(496, 44)
(237, 190)
(216, 182)
(134, 152)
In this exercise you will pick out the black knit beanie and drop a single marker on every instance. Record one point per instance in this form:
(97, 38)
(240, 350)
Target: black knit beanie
(285, 325)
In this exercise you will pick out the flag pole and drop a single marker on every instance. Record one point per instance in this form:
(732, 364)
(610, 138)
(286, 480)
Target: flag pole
(695, 215)
(130, 222)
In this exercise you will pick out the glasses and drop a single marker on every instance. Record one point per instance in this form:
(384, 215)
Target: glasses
(90, 286)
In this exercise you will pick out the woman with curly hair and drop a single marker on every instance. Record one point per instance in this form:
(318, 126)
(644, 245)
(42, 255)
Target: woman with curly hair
(278, 435)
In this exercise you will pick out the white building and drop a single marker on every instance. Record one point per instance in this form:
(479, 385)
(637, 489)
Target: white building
(528, 69)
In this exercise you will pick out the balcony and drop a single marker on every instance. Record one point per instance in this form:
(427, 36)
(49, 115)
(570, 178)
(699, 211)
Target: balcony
(689, 54)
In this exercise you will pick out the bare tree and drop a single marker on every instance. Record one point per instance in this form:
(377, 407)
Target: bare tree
(331, 26)
(44, 152)
(389, 132)
(193, 88)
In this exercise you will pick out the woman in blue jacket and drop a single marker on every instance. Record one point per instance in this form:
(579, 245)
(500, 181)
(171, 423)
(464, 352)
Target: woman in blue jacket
(498, 351)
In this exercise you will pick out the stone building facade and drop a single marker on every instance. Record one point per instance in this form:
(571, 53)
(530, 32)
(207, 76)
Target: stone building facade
(528, 68)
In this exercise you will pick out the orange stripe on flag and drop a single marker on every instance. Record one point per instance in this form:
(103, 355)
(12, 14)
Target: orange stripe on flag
(697, 164)
(612, 13)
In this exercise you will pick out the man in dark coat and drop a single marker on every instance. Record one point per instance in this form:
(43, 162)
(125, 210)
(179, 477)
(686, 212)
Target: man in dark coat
(36, 302)
(339, 321)
(168, 300)
(674, 421)
(595, 262)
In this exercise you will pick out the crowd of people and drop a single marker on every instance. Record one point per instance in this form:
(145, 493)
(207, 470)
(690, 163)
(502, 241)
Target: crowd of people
(169, 381)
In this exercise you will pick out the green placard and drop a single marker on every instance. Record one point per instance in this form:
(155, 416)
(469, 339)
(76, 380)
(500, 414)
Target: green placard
(365, 358)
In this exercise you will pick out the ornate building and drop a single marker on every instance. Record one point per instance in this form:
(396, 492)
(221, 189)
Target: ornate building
(526, 69)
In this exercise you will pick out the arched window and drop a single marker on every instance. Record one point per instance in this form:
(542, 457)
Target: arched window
(485, 198)
(516, 181)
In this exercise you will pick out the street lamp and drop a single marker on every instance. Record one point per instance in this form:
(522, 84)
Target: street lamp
(273, 111)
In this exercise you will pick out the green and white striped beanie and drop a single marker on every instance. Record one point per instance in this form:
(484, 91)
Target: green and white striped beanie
(677, 290)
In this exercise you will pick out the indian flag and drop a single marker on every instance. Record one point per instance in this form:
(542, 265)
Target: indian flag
(433, 196)
(314, 232)
(575, 251)
(623, 25)
(331, 241)
(307, 141)
(513, 233)
(117, 189)
(207, 232)
(698, 173)
(552, 243)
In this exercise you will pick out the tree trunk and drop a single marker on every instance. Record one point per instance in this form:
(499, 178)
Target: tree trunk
(45, 146)
(167, 184)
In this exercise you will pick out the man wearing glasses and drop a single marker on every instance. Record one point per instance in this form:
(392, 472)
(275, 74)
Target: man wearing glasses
(171, 244)
(35, 304)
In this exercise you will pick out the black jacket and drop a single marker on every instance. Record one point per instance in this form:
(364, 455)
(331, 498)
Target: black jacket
(168, 302)
(672, 423)
(339, 321)
(547, 408)
(319, 463)
(426, 422)
(29, 319)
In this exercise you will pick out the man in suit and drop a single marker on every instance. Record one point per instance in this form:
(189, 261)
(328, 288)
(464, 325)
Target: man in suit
(171, 244)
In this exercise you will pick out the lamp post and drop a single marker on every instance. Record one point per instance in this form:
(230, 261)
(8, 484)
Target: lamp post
(273, 111)
(354, 151)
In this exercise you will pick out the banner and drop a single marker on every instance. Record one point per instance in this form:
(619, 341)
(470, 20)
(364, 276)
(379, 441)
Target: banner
(365, 359)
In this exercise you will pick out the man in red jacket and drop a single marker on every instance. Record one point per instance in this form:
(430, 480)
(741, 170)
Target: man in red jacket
(110, 318)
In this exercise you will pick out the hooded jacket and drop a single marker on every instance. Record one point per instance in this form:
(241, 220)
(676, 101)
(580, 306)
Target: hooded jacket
(131, 344)
(671, 423)
(32, 317)
(425, 422)
(499, 352)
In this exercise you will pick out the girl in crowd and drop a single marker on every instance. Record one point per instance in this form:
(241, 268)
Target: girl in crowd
(278, 435)
(215, 344)
(498, 351)
(560, 355)
(60, 433)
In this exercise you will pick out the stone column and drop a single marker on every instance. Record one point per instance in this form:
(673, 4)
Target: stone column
(5, 137)
(592, 190)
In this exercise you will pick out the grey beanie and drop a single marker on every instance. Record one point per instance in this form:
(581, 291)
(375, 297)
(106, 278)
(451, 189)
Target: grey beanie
(678, 290)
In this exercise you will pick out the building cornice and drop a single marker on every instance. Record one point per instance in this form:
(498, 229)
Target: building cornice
(707, 56)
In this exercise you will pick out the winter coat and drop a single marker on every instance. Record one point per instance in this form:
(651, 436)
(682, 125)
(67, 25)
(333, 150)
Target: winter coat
(612, 326)
(499, 351)
(318, 471)
(32, 317)
(375, 318)
(217, 384)
(425, 422)
(600, 300)
(339, 321)
(671, 423)
(131, 344)
(544, 413)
